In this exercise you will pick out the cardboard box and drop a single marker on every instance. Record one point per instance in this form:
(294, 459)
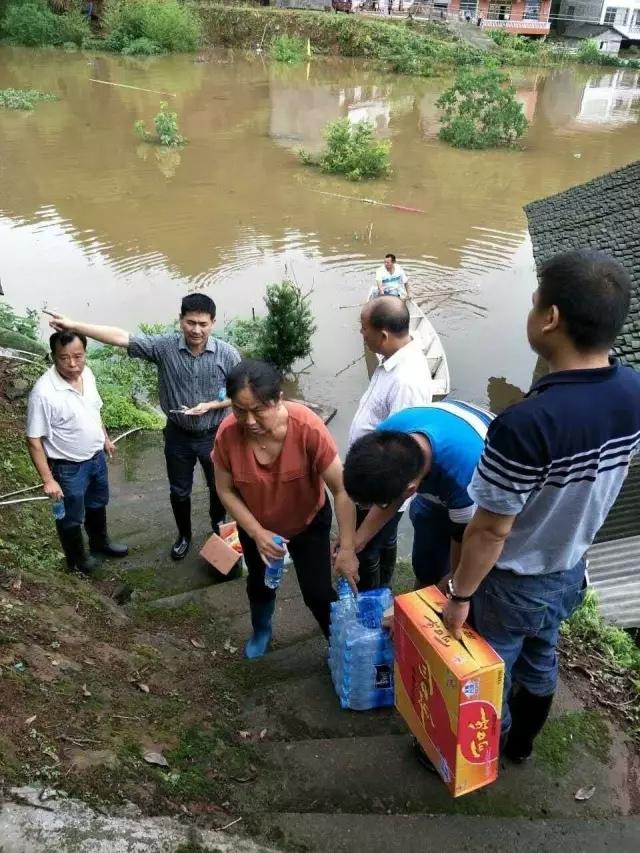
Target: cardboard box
(223, 551)
(448, 691)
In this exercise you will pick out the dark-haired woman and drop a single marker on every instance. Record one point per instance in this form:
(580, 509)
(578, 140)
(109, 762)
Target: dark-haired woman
(273, 461)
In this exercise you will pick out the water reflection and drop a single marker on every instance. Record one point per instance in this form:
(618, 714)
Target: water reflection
(611, 98)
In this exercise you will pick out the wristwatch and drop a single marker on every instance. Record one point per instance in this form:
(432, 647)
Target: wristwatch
(452, 595)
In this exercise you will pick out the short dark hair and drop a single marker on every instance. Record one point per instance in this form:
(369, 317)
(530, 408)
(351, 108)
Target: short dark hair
(391, 255)
(389, 314)
(262, 378)
(379, 466)
(198, 303)
(592, 293)
(62, 339)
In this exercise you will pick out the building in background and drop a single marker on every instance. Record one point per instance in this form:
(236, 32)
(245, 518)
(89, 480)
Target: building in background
(520, 17)
(609, 23)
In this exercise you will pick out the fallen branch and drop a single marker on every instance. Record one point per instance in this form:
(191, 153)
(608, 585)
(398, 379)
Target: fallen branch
(351, 364)
(20, 491)
(137, 88)
(401, 207)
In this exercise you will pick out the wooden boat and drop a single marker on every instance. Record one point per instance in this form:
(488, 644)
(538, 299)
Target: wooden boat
(422, 330)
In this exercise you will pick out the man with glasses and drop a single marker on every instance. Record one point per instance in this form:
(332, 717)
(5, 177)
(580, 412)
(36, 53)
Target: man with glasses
(68, 445)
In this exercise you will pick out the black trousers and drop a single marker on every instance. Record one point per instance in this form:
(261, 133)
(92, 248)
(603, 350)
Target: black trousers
(182, 450)
(379, 550)
(311, 555)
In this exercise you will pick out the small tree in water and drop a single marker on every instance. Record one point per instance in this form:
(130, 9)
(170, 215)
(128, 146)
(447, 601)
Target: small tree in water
(288, 327)
(480, 111)
(166, 124)
(352, 150)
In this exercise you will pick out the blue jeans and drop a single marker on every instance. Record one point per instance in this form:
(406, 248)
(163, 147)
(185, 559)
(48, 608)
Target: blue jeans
(431, 540)
(520, 616)
(84, 485)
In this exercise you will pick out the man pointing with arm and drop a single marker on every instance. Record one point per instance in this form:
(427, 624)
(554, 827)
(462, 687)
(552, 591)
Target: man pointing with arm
(192, 370)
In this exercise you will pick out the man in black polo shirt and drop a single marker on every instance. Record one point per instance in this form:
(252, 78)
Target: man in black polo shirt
(192, 370)
(552, 467)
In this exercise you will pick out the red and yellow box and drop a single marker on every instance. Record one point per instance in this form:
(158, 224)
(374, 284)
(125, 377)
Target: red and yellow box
(448, 691)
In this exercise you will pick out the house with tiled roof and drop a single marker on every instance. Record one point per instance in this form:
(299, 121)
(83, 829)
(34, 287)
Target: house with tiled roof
(604, 214)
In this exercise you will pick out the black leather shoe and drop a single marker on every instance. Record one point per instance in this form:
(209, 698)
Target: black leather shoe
(180, 548)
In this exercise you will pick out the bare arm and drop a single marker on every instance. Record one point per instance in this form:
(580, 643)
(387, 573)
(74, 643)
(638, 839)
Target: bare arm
(203, 408)
(39, 459)
(238, 510)
(482, 545)
(104, 334)
(375, 520)
(345, 510)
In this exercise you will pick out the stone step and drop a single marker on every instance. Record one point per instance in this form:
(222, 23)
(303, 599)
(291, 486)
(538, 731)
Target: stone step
(380, 774)
(355, 833)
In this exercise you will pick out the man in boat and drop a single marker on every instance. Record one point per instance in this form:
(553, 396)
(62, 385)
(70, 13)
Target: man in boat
(68, 445)
(551, 469)
(401, 380)
(428, 451)
(391, 279)
(192, 366)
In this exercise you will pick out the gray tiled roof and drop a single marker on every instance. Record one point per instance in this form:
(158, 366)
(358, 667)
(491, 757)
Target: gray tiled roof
(602, 214)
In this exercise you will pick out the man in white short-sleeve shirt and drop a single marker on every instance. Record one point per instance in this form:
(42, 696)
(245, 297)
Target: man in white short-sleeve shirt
(401, 380)
(391, 279)
(68, 445)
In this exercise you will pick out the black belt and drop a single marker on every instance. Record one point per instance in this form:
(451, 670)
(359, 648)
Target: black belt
(193, 432)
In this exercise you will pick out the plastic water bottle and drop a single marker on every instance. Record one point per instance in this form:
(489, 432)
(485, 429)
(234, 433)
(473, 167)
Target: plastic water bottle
(222, 393)
(57, 508)
(275, 569)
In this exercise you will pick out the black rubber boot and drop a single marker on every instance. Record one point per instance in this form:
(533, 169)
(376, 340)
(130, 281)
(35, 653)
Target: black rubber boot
(529, 714)
(182, 513)
(73, 546)
(95, 523)
(388, 557)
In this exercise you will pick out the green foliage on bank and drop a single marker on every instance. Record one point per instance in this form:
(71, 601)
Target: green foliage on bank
(480, 110)
(352, 150)
(589, 628)
(23, 99)
(288, 49)
(24, 324)
(166, 128)
(150, 26)
(34, 24)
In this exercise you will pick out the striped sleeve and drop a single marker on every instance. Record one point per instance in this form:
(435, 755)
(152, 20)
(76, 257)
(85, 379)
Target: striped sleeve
(510, 469)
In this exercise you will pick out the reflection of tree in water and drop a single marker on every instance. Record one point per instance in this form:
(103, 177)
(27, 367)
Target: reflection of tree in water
(502, 394)
(167, 159)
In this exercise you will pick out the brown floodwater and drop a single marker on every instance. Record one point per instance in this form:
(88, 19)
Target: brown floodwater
(98, 225)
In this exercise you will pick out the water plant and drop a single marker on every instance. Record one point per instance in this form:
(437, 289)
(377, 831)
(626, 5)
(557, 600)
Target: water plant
(480, 110)
(352, 150)
(168, 25)
(289, 49)
(166, 125)
(288, 327)
(23, 99)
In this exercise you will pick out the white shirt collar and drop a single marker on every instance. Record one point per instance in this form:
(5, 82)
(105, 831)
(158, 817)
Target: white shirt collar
(399, 355)
(61, 384)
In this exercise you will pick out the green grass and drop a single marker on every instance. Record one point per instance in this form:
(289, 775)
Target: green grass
(558, 740)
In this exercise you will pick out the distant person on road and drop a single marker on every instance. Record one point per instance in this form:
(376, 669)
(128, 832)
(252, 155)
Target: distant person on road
(273, 462)
(429, 452)
(401, 380)
(192, 367)
(68, 445)
(391, 279)
(552, 467)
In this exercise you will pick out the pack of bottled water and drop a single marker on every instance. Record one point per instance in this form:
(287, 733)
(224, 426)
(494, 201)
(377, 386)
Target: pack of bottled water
(360, 650)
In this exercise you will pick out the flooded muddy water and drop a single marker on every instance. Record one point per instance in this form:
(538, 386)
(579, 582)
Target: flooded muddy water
(98, 225)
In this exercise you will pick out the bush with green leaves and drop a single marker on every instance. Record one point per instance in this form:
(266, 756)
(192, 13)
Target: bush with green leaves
(480, 110)
(245, 335)
(34, 24)
(288, 49)
(352, 150)
(166, 125)
(141, 47)
(23, 99)
(24, 324)
(167, 24)
(288, 327)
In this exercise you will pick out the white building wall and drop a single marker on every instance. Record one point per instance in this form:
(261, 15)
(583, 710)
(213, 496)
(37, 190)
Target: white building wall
(626, 18)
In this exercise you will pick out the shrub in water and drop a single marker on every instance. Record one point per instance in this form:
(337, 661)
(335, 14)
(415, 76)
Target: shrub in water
(166, 124)
(166, 23)
(32, 23)
(289, 49)
(22, 99)
(352, 150)
(588, 53)
(480, 111)
(141, 47)
(288, 326)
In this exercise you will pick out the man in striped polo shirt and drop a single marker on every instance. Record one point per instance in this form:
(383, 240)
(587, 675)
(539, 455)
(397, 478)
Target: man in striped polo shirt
(551, 469)
(429, 452)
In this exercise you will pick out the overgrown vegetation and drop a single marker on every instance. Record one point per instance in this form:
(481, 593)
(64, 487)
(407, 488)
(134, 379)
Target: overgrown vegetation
(23, 99)
(150, 26)
(288, 49)
(480, 110)
(24, 324)
(33, 23)
(587, 626)
(352, 150)
(166, 125)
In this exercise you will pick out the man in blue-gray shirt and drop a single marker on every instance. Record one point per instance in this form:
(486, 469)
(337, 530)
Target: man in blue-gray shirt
(192, 370)
(551, 469)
